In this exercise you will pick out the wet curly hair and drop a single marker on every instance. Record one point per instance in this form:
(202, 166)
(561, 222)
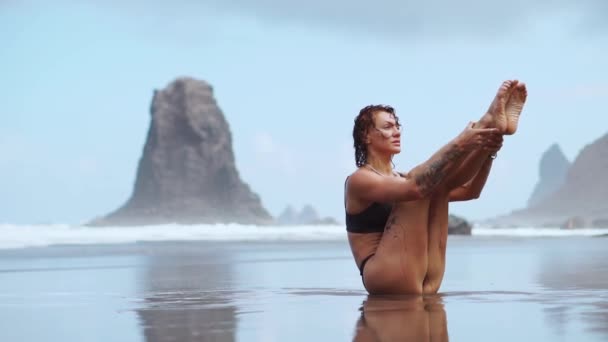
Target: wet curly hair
(363, 123)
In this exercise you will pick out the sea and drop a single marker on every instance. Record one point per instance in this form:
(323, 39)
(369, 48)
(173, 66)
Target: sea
(246, 283)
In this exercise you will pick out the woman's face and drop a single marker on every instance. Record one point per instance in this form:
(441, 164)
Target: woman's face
(385, 135)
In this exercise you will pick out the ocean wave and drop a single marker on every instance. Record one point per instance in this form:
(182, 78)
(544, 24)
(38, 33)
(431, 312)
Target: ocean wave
(538, 232)
(22, 236)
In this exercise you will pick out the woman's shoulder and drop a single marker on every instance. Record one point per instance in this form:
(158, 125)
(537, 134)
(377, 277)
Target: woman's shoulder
(355, 187)
(360, 180)
(360, 172)
(363, 173)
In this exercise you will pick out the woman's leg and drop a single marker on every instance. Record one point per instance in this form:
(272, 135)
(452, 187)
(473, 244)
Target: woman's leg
(468, 169)
(503, 113)
(439, 202)
(399, 264)
(437, 241)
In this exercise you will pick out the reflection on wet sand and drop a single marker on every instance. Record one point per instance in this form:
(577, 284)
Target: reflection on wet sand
(411, 318)
(186, 300)
(578, 275)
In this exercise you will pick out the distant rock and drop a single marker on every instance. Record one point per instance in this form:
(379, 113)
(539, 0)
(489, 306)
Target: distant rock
(458, 226)
(326, 221)
(288, 216)
(187, 172)
(583, 195)
(600, 222)
(307, 216)
(574, 223)
(552, 173)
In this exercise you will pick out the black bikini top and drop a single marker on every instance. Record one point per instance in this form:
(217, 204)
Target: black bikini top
(371, 220)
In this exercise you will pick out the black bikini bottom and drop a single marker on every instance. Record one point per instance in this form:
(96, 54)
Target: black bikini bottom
(364, 262)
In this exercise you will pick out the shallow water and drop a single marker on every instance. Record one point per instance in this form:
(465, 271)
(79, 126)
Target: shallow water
(495, 288)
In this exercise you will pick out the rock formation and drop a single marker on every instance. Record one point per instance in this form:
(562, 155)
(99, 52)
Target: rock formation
(583, 198)
(552, 173)
(288, 216)
(187, 172)
(458, 226)
(308, 215)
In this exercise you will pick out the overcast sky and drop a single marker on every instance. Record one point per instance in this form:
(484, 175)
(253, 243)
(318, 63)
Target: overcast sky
(78, 77)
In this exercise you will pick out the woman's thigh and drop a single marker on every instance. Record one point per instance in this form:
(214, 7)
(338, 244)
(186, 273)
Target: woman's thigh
(400, 263)
(437, 243)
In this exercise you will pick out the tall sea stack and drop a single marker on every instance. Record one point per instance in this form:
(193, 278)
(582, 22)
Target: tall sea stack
(187, 172)
(553, 170)
(582, 199)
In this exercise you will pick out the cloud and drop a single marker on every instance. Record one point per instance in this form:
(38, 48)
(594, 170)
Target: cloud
(395, 19)
(423, 18)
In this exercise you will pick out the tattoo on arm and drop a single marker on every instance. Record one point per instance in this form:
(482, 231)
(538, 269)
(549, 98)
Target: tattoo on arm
(428, 180)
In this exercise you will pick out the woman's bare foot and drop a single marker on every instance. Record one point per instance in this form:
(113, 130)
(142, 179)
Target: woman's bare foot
(514, 106)
(496, 116)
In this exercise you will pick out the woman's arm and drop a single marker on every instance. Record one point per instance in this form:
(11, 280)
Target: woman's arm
(424, 178)
(472, 189)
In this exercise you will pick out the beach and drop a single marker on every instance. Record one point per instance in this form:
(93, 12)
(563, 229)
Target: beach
(496, 288)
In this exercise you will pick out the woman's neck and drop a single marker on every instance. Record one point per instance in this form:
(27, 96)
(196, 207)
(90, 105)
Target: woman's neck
(381, 165)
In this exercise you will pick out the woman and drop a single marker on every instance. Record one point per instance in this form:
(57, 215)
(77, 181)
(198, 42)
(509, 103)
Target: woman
(397, 223)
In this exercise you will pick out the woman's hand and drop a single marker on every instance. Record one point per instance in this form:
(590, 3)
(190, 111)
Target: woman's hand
(494, 144)
(475, 138)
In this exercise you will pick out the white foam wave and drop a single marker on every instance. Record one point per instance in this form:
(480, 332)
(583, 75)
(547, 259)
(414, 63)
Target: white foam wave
(21, 236)
(538, 232)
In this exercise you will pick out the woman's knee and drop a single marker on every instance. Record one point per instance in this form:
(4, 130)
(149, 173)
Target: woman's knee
(379, 279)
